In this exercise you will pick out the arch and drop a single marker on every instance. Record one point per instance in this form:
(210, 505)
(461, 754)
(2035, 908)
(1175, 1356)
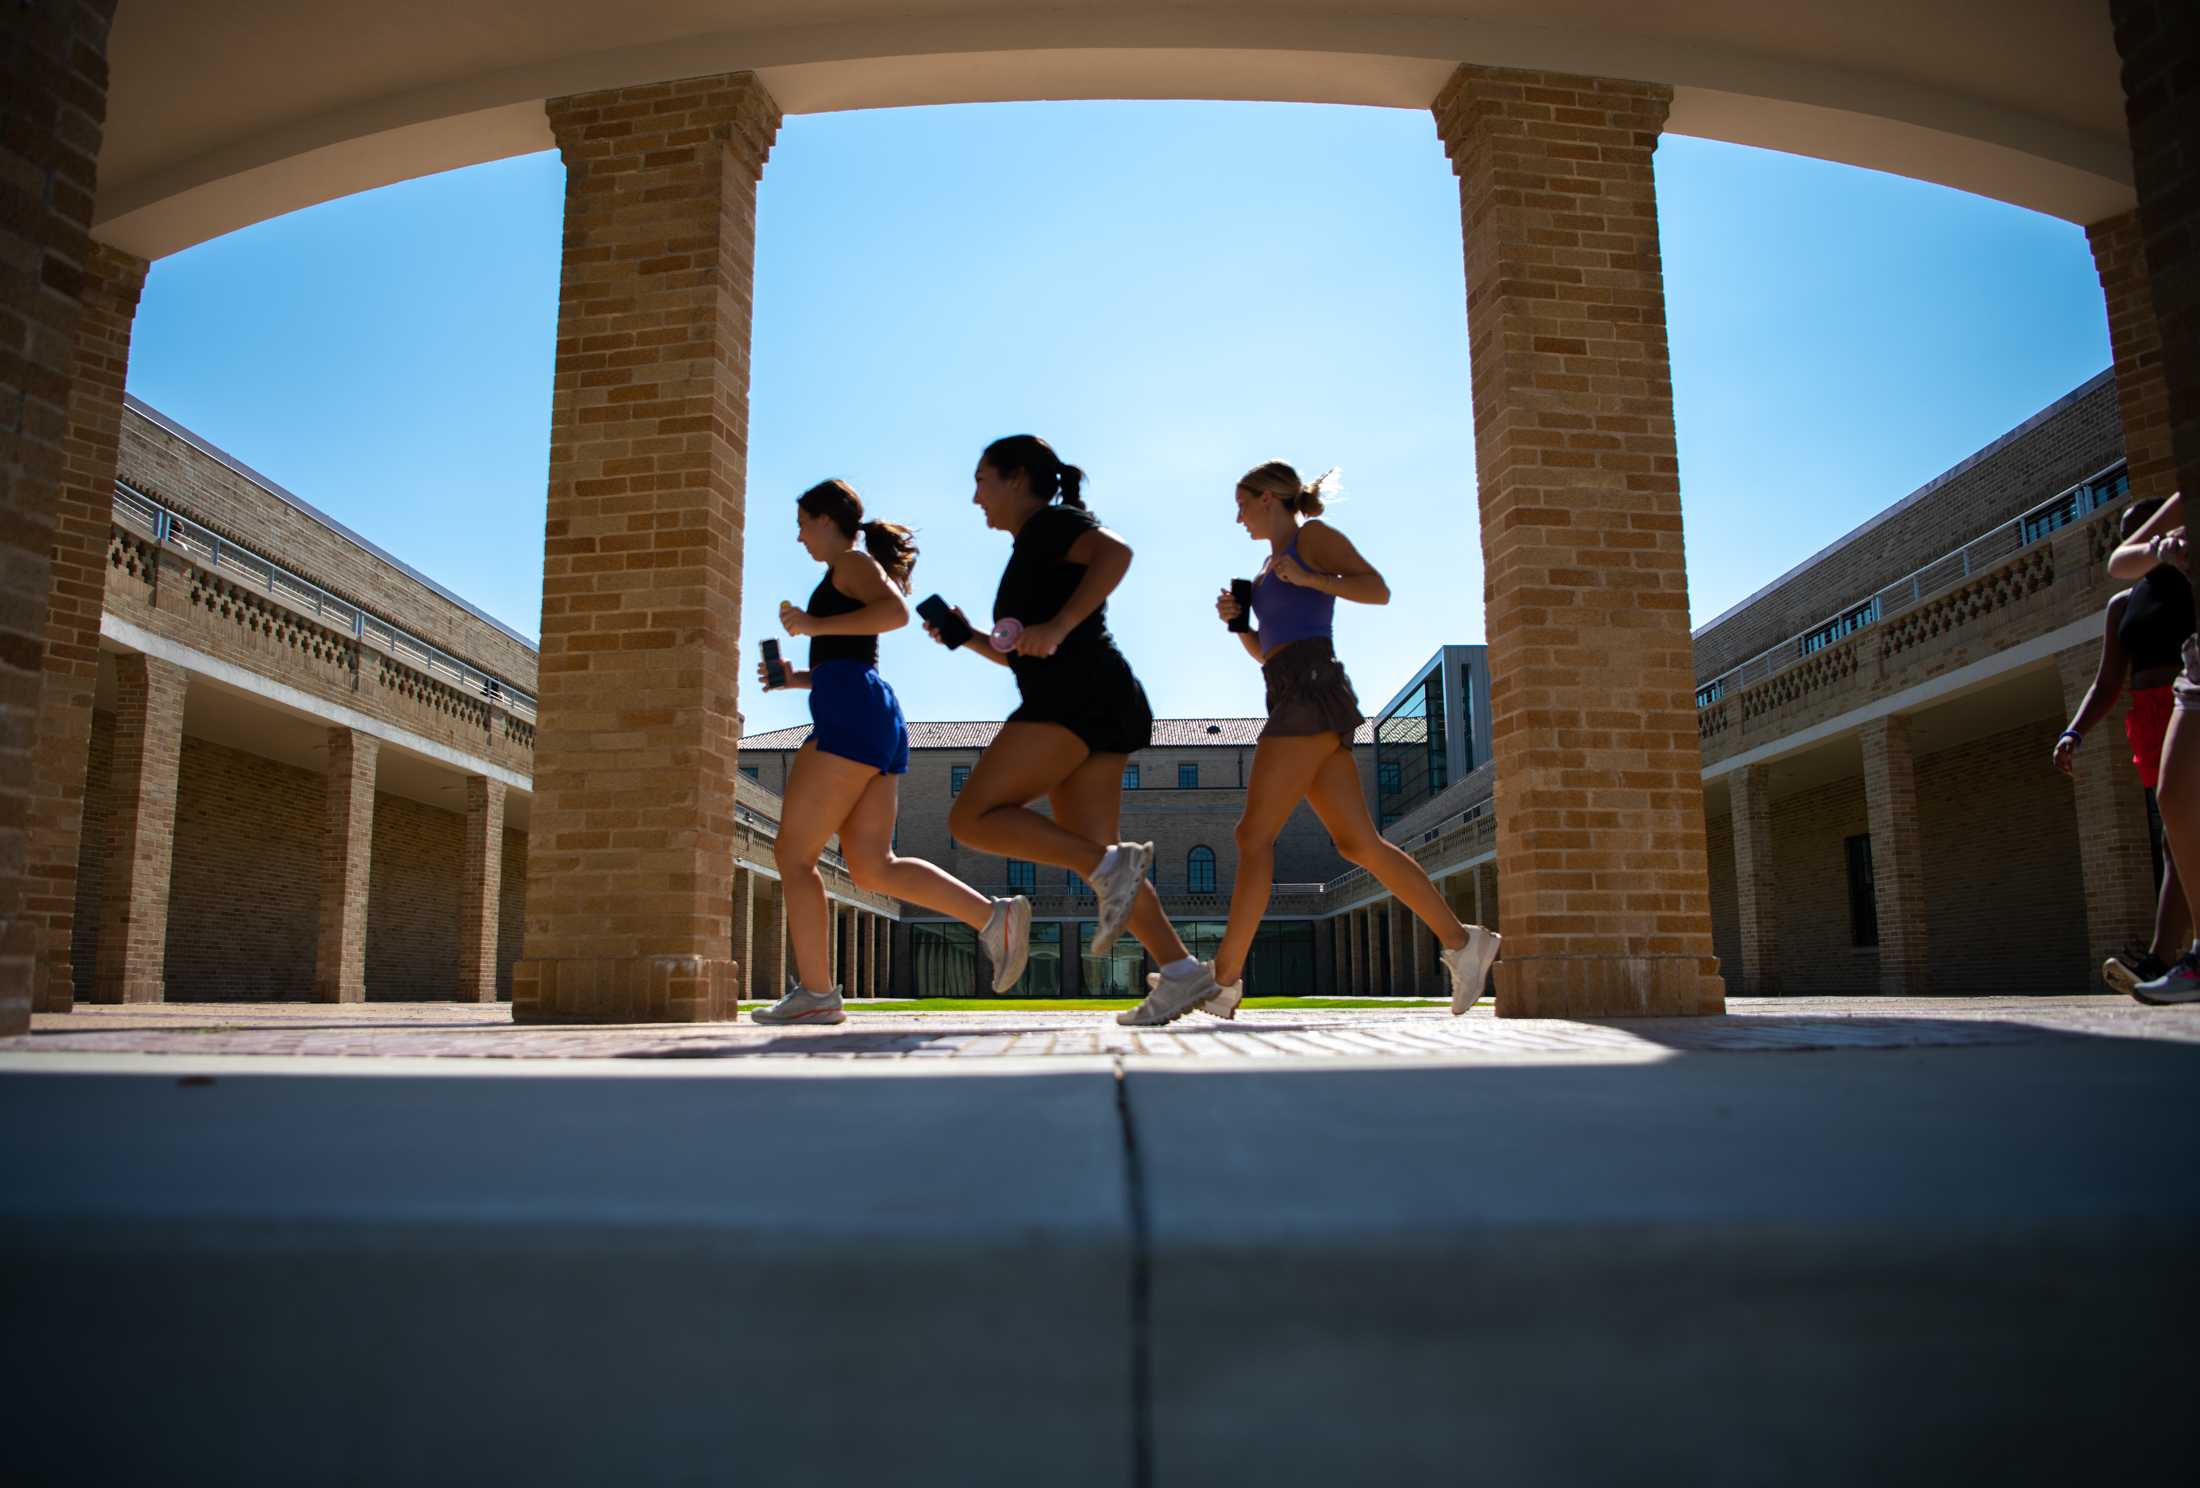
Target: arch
(1199, 870)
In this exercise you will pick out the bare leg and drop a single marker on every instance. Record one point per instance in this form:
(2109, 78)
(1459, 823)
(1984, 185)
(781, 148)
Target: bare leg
(1283, 772)
(1024, 762)
(866, 841)
(1090, 804)
(1337, 800)
(2172, 920)
(2178, 796)
(822, 789)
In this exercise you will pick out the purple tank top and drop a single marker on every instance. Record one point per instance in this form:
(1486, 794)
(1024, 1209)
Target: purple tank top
(1290, 612)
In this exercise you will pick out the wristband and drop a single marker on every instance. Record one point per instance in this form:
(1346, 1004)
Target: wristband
(2072, 735)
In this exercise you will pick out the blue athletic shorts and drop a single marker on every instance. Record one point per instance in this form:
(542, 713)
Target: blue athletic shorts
(854, 714)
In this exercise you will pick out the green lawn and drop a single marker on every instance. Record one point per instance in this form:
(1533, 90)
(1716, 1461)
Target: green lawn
(1103, 1004)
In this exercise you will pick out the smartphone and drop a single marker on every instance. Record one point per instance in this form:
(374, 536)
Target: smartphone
(954, 634)
(775, 670)
(1241, 590)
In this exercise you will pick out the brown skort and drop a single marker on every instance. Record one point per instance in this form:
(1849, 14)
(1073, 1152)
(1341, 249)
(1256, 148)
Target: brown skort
(1308, 692)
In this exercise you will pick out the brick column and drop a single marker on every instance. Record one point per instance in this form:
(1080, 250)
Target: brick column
(1600, 828)
(1399, 968)
(1354, 982)
(1072, 969)
(2135, 342)
(629, 877)
(773, 947)
(347, 854)
(744, 918)
(479, 890)
(2115, 849)
(1898, 857)
(49, 155)
(1750, 789)
(141, 834)
(836, 934)
(882, 951)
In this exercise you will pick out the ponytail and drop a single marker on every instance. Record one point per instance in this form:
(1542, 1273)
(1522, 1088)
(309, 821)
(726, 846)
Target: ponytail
(1050, 477)
(894, 547)
(1279, 479)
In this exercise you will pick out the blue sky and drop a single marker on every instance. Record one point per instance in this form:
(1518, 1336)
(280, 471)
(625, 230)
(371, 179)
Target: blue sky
(1170, 293)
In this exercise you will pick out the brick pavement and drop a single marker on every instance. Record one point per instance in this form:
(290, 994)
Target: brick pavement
(1375, 1033)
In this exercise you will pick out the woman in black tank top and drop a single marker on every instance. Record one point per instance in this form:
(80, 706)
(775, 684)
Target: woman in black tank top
(2141, 648)
(844, 778)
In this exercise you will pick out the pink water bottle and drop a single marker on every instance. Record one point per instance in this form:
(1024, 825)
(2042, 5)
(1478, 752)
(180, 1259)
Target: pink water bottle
(1006, 633)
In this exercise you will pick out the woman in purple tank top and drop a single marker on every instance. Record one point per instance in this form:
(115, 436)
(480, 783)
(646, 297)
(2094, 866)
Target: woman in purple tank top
(1305, 751)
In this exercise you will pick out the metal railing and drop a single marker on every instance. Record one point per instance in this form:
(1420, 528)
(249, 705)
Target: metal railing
(1996, 545)
(248, 570)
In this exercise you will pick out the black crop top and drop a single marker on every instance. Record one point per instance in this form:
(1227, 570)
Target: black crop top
(2157, 618)
(1040, 578)
(825, 600)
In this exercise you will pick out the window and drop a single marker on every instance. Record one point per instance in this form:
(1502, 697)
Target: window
(750, 771)
(1130, 777)
(1199, 870)
(2076, 503)
(1841, 625)
(1863, 895)
(1389, 778)
(956, 775)
(1022, 877)
(1187, 777)
(1710, 692)
(943, 959)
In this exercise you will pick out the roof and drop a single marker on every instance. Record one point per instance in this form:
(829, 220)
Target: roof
(1168, 733)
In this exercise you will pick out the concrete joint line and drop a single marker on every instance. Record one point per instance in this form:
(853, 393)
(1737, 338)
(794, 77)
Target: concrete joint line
(1141, 1299)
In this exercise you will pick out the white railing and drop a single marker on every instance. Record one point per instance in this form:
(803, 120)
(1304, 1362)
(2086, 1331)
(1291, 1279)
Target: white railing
(1997, 544)
(248, 570)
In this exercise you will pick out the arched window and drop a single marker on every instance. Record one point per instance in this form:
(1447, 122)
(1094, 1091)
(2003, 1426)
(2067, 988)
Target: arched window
(1199, 870)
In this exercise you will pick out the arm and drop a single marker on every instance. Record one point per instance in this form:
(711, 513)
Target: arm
(795, 680)
(1106, 558)
(2141, 553)
(2108, 685)
(1333, 566)
(978, 642)
(858, 576)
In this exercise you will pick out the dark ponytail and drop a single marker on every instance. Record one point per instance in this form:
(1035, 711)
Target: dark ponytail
(1051, 478)
(894, 547)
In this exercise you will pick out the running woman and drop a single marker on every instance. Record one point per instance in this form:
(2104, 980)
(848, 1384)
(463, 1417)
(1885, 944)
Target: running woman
(1305, 749)
(845, 776)
(1083, 713)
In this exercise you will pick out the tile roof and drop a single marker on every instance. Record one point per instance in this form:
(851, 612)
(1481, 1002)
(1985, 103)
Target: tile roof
(1168, 733)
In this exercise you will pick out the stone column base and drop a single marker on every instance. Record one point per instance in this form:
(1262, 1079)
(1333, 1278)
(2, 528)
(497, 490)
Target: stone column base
(636, 989)
(1609, 987)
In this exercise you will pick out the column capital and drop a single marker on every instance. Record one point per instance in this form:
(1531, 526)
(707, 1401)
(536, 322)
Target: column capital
(1506, 102)
(664, 126)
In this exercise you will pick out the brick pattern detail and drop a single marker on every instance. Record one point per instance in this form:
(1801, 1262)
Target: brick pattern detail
(630, 891)
(97, 366)
(744, 921)
(1600, 825)
(55, 84)
(347, 859)
(481, 889)
(2115, 849)
(1898, 857)
(1756, 880)
(2135, 341)
(141, 830)
(2159, 41)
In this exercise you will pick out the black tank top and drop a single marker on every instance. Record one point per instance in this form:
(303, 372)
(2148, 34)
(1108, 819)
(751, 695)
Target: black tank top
(2157, 618)
(825, 600)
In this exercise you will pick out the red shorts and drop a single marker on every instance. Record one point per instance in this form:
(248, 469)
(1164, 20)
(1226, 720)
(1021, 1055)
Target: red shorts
(2145, 725)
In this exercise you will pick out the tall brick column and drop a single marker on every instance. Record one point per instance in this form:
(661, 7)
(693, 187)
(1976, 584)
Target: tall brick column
(2115, 849)
(1755, 883)
(347, 855)
(1356, 953)
(141, 833)
(772, 943)
(2135, 343)
(1898, 857)
(629, 904)
(744, 917)
(478, 890)
(1600, 830)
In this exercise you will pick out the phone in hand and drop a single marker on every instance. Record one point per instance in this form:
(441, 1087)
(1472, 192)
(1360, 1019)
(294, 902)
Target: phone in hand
(775, 670)
(937, 613)
(1241, 590)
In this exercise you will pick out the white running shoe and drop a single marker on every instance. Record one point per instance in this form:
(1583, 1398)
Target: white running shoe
(1117, 890)
(1171, 998)
(1223, 1004)
(1470, 965)
(801, 1005)
(1007, 941)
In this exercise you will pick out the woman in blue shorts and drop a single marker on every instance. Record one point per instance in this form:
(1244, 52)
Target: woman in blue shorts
(844, 778)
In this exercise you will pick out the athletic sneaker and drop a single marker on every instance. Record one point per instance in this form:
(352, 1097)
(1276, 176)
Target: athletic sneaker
(1117, 890)
(1469, 967)
(1171, 998)
(2181, 983)
(1007, 941)
(2129, 967)
(1224, 1004)
(801, 1005)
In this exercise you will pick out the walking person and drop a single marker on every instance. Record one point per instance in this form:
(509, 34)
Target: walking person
(2160, 540)
(845, 778)
(2142, 642)
(1305, 749)
(1083, 713)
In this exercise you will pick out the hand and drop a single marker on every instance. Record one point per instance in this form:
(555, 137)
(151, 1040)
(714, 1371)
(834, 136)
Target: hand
(956, 610)
(795, 621)
(763, 675)
(2168, 547)
(1227, 607)
(1041, 640)
(1291, 571)
(2066, 751)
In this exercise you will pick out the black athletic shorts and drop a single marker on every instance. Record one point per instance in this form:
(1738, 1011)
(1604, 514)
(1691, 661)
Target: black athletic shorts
(1095, 697)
